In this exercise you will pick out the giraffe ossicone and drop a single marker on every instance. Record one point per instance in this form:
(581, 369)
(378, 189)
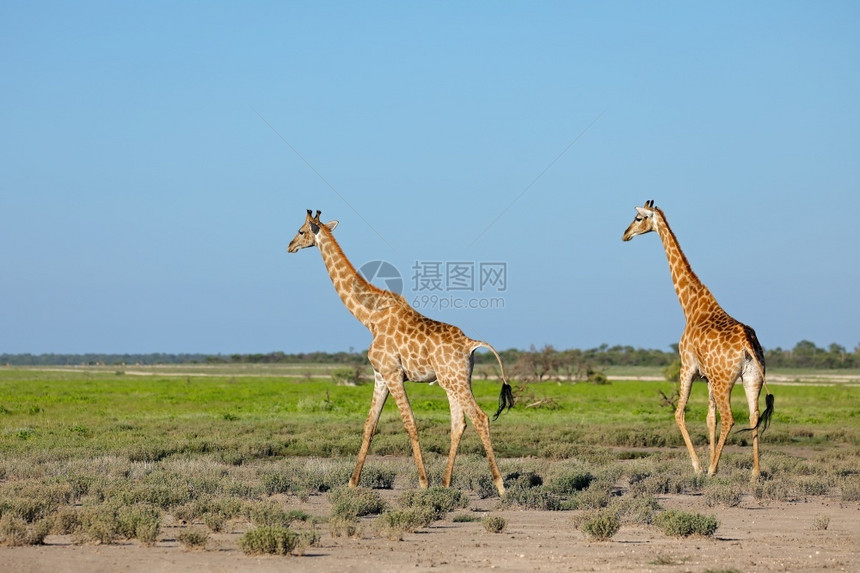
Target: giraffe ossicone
(406, 346)
(714, 345)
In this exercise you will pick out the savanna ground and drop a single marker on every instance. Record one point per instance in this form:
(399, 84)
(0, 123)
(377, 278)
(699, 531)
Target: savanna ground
(243, 468)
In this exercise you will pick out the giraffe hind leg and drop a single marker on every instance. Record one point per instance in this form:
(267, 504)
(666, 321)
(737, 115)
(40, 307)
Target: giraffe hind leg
(458, 426)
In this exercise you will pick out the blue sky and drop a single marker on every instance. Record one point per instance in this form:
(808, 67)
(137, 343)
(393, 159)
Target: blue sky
(149, 186)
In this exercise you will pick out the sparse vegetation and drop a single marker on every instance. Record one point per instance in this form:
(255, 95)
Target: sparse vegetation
(495, 524)
(269, 540)
(684, 523)
(355, 502)
(219, 454)
(601, 525)
(193, 538)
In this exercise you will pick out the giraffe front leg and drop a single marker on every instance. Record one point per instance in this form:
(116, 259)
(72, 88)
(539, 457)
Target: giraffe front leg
(380, 393)
(398, 392)
(680, 413)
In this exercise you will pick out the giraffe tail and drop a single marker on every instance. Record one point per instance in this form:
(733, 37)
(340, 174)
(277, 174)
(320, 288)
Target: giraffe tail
(506, 397)
(757, 353)
(764, 419)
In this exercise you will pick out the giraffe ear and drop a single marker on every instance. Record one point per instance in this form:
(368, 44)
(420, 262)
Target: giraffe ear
(331, 225)
(644, 212)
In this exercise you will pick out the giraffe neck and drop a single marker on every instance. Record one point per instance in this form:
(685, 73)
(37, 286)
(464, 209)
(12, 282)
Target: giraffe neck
(688, 287)
(359, 296)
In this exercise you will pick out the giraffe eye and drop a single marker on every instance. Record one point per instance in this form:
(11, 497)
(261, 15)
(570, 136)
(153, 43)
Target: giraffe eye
(301, 232)
(638, 218)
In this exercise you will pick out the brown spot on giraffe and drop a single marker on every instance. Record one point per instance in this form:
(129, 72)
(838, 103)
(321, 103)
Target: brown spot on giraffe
(714, 345)
(406, 346)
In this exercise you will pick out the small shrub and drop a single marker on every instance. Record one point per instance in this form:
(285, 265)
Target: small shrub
(596, 496)
(723, 493)
(532, 498)
(356, 502)
(571, 482)
(437, 500)
(495, 524)
(344, 526)
(377, 478)
(268, 514)
(393, 524)
(349, 376)
(15, 531)
(66, 520)
(636, 510)
(142, 522)
(485, 487)
(850, 490)
(193, 538)
(268, 540)
(821, 522)
(465, 518)
(307, 538)
(99, 525)
(523, 480)
(813, 485)
(596, 377)
(277, 482)
(601, 525)
(683, 523)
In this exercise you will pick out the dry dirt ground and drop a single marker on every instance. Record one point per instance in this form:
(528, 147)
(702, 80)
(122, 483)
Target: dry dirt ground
(754, 536)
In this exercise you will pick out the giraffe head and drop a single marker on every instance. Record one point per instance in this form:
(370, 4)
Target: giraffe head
(644, 222)
(307, 235)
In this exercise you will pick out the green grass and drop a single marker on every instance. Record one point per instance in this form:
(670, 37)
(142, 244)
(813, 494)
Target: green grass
(103, 455)
(75, 414)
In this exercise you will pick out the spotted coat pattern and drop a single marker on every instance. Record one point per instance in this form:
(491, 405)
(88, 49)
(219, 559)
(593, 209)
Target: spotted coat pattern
(406, 346)
(714, 346)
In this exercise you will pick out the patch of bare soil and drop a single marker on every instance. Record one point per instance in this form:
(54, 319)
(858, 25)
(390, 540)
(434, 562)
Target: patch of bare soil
(754, 536)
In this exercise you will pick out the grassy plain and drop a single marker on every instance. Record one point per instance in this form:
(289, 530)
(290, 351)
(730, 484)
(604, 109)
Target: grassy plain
(108, 453)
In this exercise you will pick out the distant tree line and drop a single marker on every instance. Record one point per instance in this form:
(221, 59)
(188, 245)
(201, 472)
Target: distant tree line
(534, 363)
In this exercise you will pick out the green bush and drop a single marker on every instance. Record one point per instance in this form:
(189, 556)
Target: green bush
(348, 375)
(437, 500)
(268, 514)
(141, 521)
(601, 525)
(393, 524)
(343, 526)
(683, 523)
(495, 524)
(193, 538)
(532, 498)
(571, 482)
(268, 540)
(16, 531)
(355, 502)
(377, 478)
(723, 493)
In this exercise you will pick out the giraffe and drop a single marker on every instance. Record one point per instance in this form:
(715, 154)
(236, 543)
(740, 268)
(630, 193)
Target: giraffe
(714, 345)
(406, 346)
